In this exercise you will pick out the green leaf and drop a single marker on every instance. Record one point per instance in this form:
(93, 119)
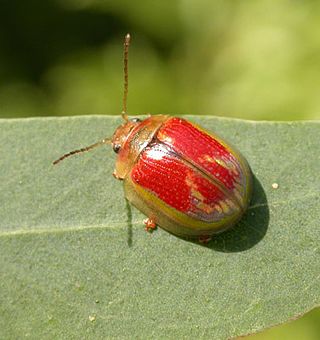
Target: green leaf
(75, 261)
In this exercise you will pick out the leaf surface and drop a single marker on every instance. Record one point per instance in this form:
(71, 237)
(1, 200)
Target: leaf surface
(75, 261)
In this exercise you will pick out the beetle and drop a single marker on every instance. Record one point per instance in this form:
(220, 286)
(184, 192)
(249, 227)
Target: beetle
(185, 179)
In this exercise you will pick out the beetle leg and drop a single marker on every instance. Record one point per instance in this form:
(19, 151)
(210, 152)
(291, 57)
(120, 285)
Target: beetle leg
(116, 176)
(150, 224)
(204, 239)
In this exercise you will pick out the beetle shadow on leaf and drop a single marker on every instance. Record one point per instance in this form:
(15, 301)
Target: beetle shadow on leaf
(250, 230)
(129, 215)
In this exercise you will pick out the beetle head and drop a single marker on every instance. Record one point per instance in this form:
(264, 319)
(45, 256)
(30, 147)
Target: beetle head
(122, 133)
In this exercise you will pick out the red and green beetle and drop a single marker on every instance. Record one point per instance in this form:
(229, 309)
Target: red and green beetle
(187, 180)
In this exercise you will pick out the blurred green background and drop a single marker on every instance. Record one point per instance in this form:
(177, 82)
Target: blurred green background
(246, 59)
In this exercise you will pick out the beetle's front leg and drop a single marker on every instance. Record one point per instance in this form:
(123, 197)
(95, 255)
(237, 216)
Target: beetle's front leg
(150, 224)
(115, 175)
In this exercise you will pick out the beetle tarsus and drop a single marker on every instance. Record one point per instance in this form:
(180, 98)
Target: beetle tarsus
(204, 239)
(150, 225)
(115, 175)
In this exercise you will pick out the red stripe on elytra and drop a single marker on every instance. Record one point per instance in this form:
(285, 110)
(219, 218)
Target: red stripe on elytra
(201, 149)
(161, 172)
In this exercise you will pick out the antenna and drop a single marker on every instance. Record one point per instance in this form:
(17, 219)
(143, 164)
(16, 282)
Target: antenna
(126, 80)
(124, 107)
(87, 148)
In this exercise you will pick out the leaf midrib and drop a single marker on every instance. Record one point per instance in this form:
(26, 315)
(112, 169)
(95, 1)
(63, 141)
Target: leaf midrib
(114, 225)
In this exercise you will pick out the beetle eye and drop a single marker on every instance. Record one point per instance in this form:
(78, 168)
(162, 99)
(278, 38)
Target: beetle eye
(136, 120)
(116, 148)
